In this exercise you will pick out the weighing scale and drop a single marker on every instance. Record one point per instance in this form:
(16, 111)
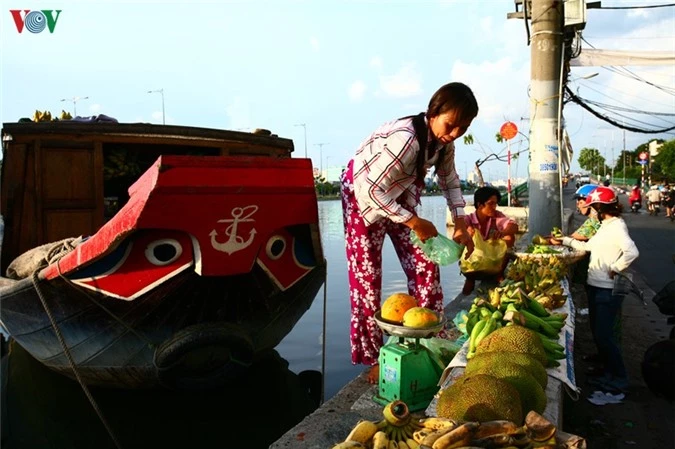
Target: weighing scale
(408, 371)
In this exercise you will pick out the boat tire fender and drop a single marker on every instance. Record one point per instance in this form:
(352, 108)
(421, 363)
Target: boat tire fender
(204, 356)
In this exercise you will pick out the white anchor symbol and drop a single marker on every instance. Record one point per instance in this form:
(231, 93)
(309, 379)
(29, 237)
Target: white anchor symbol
(234, 242)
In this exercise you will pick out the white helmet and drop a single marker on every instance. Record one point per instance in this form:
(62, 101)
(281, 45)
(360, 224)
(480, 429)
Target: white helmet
(654, 187)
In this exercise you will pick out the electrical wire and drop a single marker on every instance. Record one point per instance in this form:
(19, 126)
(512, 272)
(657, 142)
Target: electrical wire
(637, 7)
(583, 104)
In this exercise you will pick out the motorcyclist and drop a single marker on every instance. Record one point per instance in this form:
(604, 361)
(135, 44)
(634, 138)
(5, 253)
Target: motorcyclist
(653, 199)
(635, 197)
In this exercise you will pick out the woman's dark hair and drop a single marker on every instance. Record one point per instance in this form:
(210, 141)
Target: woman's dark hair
(454, 96)
(612, 209)
(483, 195)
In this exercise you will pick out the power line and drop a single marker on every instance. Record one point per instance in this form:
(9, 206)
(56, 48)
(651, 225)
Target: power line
(583, 104)
(636, 7)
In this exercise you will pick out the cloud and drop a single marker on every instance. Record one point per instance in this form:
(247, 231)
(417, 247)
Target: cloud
(376, 62)
(404, 83)
(357, 90)
(314, 42)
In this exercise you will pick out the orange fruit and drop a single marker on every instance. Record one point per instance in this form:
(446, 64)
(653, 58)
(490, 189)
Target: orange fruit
(395, 306)
(420, 317)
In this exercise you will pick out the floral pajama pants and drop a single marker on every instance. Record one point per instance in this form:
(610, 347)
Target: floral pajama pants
(364, 264)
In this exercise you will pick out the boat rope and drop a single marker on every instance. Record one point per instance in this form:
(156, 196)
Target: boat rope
(73, 366)
(323, 339)
(104, 308)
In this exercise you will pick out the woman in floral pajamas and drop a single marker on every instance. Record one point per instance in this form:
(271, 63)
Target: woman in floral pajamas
(380, 190)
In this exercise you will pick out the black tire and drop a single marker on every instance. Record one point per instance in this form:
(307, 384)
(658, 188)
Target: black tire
(204, 356)
(658, 368)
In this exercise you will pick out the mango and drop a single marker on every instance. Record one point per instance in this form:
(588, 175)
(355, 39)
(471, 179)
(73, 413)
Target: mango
(420, 317)
(396, 305)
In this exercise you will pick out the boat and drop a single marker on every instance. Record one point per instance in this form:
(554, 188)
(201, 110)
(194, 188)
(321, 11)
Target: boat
(146, 256)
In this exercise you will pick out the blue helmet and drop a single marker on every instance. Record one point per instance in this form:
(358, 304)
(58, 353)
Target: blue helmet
(585, 190)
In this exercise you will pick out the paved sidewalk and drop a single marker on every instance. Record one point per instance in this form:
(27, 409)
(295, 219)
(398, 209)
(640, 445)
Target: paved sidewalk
(641, 420)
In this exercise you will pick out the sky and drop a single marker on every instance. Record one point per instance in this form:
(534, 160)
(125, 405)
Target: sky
(342, 68)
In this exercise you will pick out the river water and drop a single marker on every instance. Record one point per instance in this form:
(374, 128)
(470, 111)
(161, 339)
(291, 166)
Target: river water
(47, 410)
(302, 347)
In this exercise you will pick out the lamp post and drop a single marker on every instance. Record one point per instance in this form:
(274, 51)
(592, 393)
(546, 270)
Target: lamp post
(74, 100)
(305, 127)
(320, 145)
(161, 92)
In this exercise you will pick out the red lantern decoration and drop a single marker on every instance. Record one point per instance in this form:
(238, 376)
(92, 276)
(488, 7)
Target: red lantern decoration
(508, 130)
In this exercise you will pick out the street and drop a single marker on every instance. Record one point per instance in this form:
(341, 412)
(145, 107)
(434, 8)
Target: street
(642, 420)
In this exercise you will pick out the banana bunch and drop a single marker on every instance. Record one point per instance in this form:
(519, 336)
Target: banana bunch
(116, 164)
(395, 431)
(40, 116)
(448, 434)
(483, 328)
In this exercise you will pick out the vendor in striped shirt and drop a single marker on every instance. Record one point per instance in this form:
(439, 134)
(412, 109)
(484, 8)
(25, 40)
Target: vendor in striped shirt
(380, 190)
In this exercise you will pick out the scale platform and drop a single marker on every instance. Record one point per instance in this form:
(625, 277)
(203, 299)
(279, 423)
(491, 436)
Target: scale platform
(407, 370)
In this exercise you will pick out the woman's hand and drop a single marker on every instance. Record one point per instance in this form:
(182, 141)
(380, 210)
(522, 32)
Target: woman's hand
(611, 274)
(554, 241)
(423, 228)
(463, 237)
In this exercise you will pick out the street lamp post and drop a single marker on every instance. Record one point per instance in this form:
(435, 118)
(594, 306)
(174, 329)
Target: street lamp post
(305, 127)
(320, 145)
(74, 100)
(161, 92)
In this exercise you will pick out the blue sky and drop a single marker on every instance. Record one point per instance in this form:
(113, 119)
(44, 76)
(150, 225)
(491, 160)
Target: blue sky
(340, 67)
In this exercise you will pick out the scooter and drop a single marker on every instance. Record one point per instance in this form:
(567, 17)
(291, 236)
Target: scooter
(635, 206)
(658, 362)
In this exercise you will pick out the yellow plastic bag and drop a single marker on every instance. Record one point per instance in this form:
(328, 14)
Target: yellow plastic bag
(487, 257)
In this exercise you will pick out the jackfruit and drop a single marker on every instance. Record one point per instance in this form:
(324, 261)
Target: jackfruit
(532, 396)
(533, 366)
(514, 339)
(480, 398)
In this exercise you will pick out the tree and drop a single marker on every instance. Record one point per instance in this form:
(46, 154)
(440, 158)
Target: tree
(664, 162)
(591, 160)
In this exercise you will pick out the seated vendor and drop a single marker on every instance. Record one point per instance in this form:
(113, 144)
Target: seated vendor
(491, 224)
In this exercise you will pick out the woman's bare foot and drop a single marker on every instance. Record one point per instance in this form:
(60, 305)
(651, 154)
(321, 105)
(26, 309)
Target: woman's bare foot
(374, 374)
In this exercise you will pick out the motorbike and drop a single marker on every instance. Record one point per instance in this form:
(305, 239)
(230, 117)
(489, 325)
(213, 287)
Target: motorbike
(658, 362)
(635, 206)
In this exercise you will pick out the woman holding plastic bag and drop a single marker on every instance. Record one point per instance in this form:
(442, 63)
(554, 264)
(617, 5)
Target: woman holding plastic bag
(492, 233)
(380, 189)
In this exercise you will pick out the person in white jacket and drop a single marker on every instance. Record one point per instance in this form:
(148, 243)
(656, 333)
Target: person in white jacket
(612, 251)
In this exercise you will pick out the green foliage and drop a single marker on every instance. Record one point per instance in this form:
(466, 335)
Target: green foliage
(468, 139)
(591, 160)
(664, 162)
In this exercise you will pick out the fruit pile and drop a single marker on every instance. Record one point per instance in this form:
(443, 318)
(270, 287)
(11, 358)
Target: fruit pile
(519, 309)
(401, 308)
(46, 116)
(538, 277)
(400, 431)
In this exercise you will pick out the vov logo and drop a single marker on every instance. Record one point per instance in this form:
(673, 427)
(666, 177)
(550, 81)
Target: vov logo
(35, 21)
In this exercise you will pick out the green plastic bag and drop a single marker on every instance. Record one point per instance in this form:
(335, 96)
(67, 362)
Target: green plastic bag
(439, 249)
(487, 256)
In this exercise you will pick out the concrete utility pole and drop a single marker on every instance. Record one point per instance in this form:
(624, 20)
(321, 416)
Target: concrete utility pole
(545, 72)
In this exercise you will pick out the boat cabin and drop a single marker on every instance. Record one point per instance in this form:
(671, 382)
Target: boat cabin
(64, 179)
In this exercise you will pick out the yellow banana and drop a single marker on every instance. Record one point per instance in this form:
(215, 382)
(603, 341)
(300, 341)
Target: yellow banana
(457, 437)
(437, 423)
(403, 445)
(430, 439)
(412, 444)
(380, 440)
(363, 432)
(419, 435)
(393, 444)
(396, 413)
(349, 445)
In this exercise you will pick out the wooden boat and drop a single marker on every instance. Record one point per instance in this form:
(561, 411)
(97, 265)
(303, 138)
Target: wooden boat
(212, 257)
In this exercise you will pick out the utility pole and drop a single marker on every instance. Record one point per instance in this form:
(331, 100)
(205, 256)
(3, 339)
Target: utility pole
(320, 145)
(545, 127)
(304, 125)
